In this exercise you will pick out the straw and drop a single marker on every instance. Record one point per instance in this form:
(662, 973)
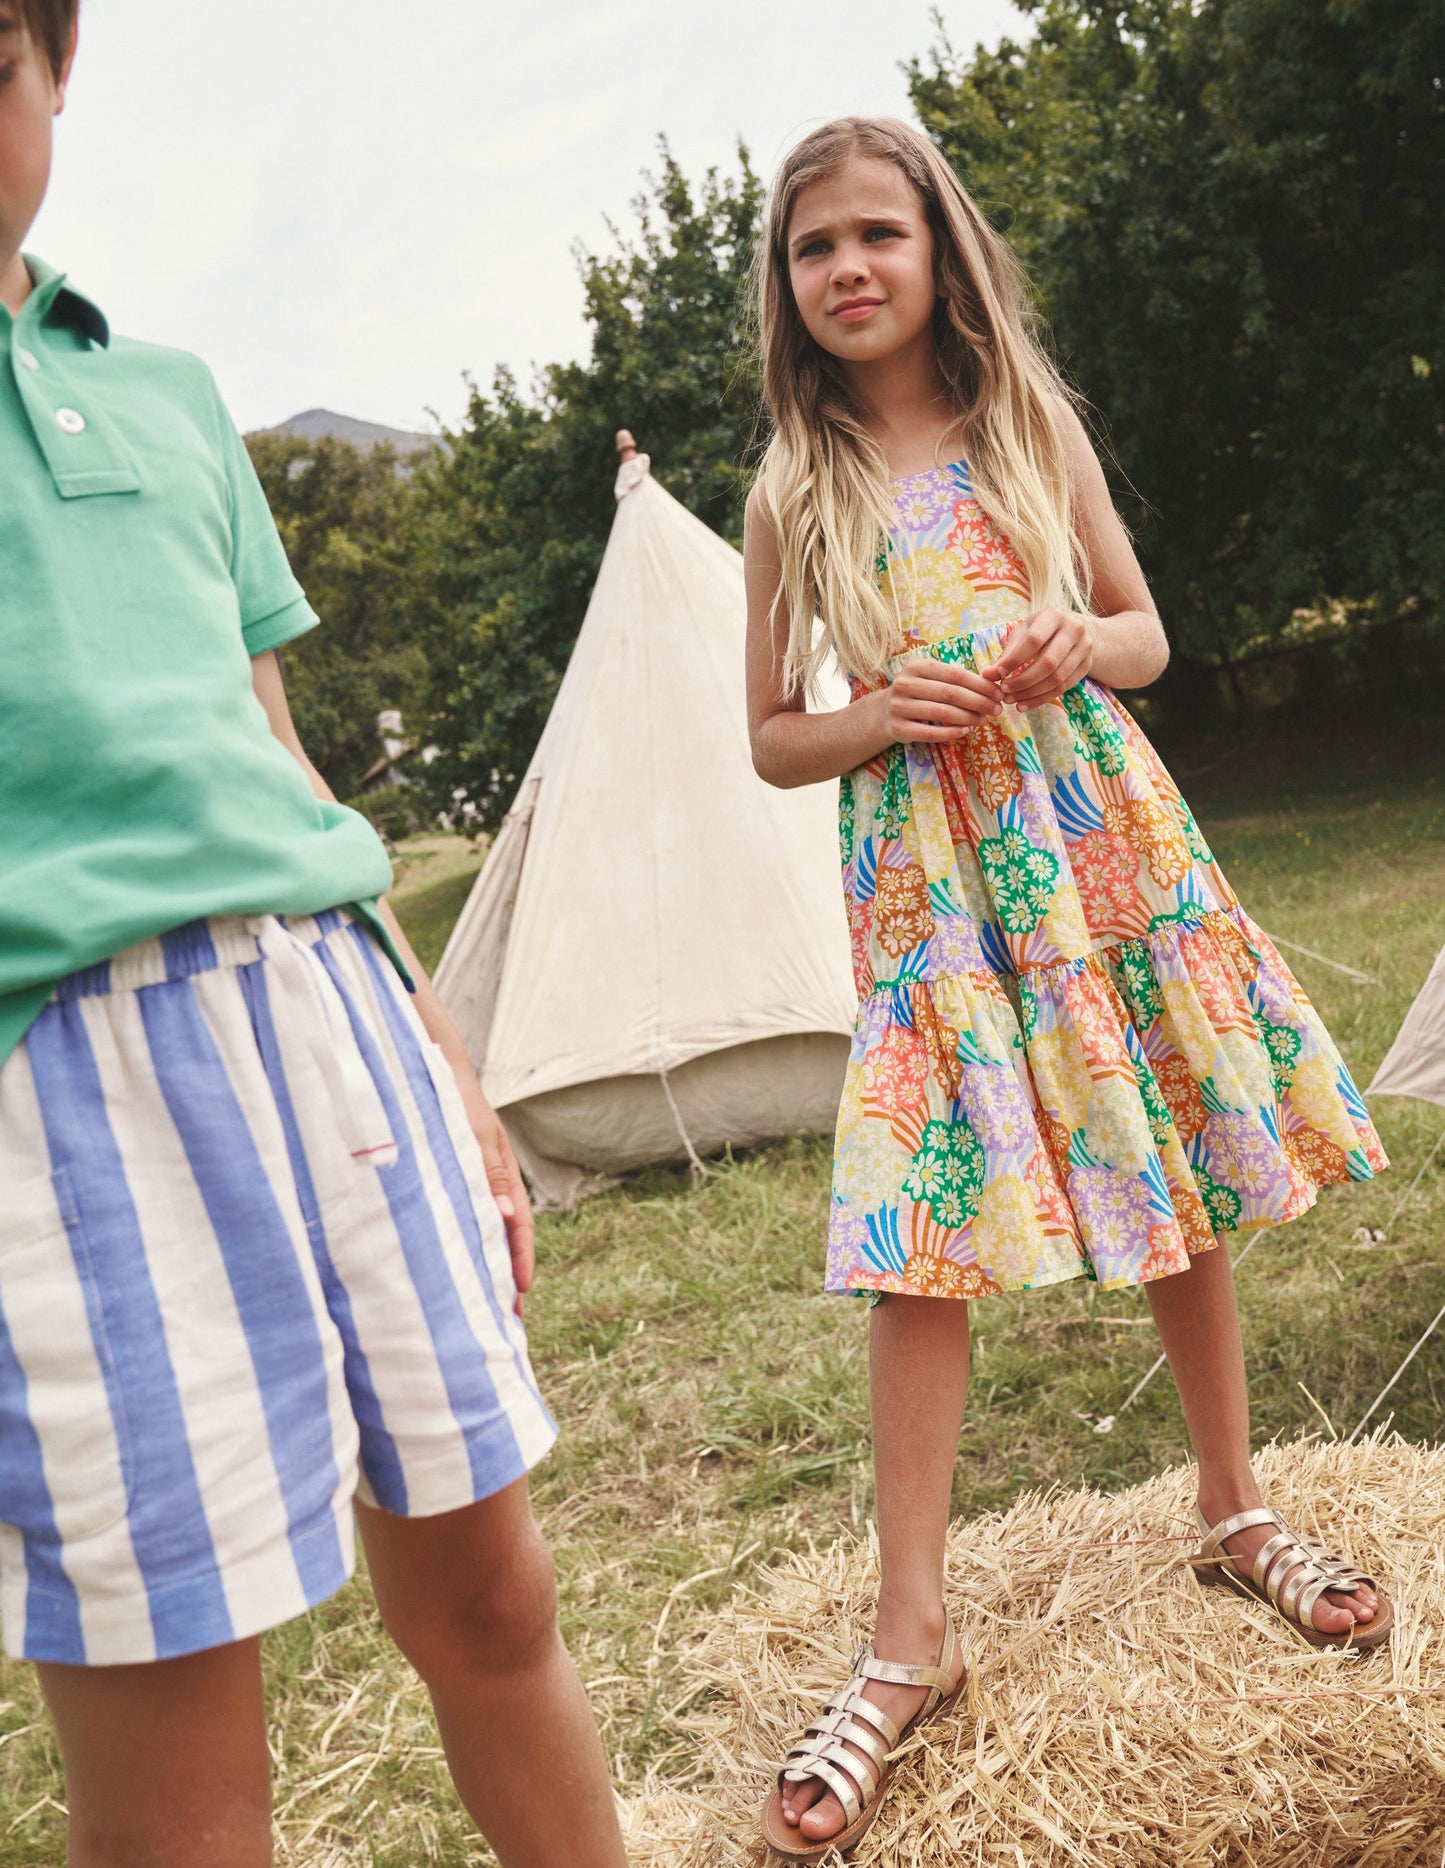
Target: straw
(1118, 1714)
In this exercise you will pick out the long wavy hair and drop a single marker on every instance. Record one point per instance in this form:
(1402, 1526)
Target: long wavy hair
(825, 479)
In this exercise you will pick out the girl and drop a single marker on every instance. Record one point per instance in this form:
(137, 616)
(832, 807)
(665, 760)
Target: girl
(1075, 1056)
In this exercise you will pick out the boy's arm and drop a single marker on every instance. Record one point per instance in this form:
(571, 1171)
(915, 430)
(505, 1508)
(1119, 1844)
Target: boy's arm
(503, 1174)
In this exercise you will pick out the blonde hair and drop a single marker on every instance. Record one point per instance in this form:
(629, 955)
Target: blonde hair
(824, 476)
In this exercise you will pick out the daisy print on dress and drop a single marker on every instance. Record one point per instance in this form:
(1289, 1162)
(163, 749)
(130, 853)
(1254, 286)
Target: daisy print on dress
(1075, 1054)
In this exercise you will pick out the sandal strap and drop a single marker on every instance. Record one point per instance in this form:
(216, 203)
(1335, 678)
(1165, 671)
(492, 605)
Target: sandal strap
(843, 1786)
(837, 1721)
(850, 1719)
(901, 1673)
(1215, 1534)
(830, 1744)
(1269, 1554)
(1291, 1571)
(1343, 1573)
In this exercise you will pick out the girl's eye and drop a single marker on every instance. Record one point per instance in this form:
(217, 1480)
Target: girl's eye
(882, 233)
(812, 249)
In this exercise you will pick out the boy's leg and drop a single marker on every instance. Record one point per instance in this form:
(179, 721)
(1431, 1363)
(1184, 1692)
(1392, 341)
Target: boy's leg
(1197, 1316)
(470, 1598)
(166, 1763)
(918, 1380)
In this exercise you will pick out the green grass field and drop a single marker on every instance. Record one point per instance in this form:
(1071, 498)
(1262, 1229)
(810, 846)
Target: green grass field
(714, 1405)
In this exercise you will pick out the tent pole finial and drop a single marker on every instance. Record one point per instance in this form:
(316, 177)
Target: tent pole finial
(626, 446)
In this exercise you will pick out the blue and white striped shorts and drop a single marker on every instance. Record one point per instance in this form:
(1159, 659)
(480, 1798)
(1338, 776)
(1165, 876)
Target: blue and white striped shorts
(249, 1268)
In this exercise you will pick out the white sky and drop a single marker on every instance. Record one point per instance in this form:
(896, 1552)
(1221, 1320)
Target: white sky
(348, 203)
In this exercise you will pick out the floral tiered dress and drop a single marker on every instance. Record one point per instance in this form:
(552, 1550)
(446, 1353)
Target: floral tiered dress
(1075, 1054)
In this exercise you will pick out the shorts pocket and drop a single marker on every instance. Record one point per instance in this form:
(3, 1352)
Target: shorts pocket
(65, 1457)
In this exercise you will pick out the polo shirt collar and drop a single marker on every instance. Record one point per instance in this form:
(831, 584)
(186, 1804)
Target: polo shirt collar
(55, 302)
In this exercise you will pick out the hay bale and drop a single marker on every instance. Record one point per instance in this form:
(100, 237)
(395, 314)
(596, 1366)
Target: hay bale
(1118, 1715)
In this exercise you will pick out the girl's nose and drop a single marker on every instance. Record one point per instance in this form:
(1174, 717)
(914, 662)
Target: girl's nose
(849, 266)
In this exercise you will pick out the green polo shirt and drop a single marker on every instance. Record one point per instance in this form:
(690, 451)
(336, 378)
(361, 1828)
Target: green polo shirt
(140, 570)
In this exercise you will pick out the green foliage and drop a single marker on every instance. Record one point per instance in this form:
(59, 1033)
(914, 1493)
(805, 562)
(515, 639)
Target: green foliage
(1231, 209)
(345, 518)
(513, 519)
(394, 811)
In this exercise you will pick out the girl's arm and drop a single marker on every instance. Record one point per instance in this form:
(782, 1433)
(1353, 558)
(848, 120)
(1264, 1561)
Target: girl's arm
(1123, 643)
(926, 701)
(503, 1175)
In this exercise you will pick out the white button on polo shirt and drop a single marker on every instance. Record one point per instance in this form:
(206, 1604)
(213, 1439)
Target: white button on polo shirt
(70, 421)
(28, 358)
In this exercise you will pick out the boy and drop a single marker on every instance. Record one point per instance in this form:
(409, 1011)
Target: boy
(251, 1269)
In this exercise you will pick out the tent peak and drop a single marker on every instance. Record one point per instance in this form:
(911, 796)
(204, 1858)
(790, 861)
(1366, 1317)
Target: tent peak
(634, 468)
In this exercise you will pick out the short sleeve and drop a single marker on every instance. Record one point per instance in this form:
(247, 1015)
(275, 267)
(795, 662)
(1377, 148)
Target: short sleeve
(274, 609)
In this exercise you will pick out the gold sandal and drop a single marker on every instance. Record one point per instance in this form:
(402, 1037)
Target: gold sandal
(849, 1719)
(1315, 1570)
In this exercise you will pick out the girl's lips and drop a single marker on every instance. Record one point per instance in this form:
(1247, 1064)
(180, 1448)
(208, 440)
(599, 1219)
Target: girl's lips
(859, 309)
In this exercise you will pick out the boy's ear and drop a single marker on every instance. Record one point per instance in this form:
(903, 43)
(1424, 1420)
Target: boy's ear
(64, 78)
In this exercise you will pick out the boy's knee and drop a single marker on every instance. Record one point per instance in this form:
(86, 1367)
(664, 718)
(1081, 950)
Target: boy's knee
(489, 1617)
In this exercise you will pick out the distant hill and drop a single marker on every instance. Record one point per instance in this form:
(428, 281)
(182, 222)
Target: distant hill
(313, 424)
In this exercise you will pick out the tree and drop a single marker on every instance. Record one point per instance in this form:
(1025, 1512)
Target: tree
(1231, 209)
(513, 519)
(345, 520)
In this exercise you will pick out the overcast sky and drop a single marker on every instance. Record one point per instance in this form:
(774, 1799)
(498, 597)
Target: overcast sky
(349, 203)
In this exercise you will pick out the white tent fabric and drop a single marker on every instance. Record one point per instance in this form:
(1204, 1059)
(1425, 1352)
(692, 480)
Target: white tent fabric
(654, 960)
(1415, 1063)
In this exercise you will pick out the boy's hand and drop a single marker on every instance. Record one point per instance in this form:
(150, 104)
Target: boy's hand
(931, 700)
(504, 1178)
(1043, 657)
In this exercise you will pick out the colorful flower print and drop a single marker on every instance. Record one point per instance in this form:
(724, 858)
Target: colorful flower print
(1115, 1214)
(896, 1071)
(902, 912)
(1076, 1056)
(1022, 878)
(1007, 1235)
(998, 1108)
(920, 502)
(988, 557)
(1105, 869)
(989, 760)
(1155, 834)
(932, 593)
(1180, 1089)
(1097, 738)
(946, 1173)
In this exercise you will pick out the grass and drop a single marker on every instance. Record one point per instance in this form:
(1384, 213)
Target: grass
(714, 1405)
(434, 876)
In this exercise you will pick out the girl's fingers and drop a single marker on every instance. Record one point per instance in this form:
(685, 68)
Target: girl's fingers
(955, 712)
(909, 731)
(941, 679)
(1025, 643)
(1030, 689)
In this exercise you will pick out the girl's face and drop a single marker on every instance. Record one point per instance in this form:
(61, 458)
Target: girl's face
(860, 260)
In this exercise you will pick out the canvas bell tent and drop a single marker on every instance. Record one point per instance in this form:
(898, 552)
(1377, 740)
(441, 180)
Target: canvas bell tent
(1415, 1063)
(654, 962)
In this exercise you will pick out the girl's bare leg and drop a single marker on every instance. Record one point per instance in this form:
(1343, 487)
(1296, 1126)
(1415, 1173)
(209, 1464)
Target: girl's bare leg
(166, 1764)
(1198, 1322)
(918, 1374)
(470, 1599)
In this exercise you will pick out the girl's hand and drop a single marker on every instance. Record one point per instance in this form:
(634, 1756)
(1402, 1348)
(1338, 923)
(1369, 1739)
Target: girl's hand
(504, 1178)
(931, 700)
(1043, 656)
